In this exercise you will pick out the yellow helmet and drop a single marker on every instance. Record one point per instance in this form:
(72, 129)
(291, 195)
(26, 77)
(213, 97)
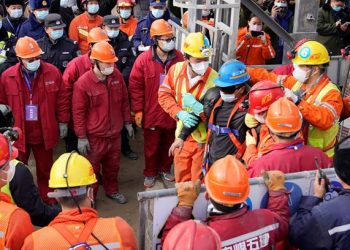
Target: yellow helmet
(77, 169)
(197, 45)
(311, 53)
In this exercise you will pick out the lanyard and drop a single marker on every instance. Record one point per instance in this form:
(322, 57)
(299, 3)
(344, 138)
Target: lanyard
(13, 28)
(29, 84)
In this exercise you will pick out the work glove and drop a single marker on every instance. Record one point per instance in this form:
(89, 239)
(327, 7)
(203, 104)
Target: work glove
(249, 139)
(189, 101)
(188, 119)
(250, 121)
(138, 119)
(291, 96)
(130, 130)
(274, 180)
(142, 48)
(83, 146)
(187, 192)
(63, 130)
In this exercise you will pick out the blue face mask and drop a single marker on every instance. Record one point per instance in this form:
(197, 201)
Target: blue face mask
(112, 33)
(33, 66)
(16, 13)
(337, 8)
(157, 13)
(40, 15)
(56, 34)
(93, 8)
(125, 14)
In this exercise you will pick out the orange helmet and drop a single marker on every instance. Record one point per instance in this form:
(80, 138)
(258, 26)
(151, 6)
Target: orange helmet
(27, 47)
(97, 35)
(4, 151)
(262, 95)
(103, 52)
(161, 27)
(284, 116)
(227, 181)
(192, 235)
(125, 3)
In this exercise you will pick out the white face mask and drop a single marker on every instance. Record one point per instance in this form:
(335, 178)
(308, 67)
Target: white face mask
(168, 46)
(228, 97)
(255, 27)
(108, 71)
(64, 3)
(260, 118)
(16, 13)
(33, 66)
(200, 68)
(301, 75)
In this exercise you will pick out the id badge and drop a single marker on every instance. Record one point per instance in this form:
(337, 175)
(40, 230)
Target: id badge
(31, 112)
(161, 79)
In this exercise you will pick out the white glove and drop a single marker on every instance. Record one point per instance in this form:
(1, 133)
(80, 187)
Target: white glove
(63, 130)
(83, 146)
(291, 95)
(130, 130)
(143, 48)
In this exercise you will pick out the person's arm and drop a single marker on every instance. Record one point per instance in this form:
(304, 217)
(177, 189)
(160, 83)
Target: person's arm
(70, 76)
(73, 32)
(62, 105)
(125, 101)
(267, 50)
(127, 234)
(242, 49)
(137, 86)
(80, 105)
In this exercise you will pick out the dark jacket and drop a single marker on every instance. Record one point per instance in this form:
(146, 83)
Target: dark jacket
(60, 53)
(32, 28)
(7, 45)
(26, 196)
(126, 54)
(12, 25)
(322, 225)
(66, 13)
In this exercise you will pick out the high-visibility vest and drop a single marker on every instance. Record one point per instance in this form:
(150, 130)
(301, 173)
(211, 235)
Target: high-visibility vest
(6, 211)
(198, 91)
(6, 189)
(322, 139)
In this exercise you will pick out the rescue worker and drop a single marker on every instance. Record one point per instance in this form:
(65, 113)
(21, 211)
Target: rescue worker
(258, 139)
(227, 209)
(34, 26)
(254, 45)
(100, 111)
(58, 49)
(78, 226)
(128, 22)
(14, 20)
(318, 99)
(325, 225)
(15, 223)
(288, 152)
(147, 75)
(158, 10)
(81, 25)
(194, 76)
(35, 92)
(126, 55)
(7, 43)
(192, 235)
(20, 186)
(75, 69)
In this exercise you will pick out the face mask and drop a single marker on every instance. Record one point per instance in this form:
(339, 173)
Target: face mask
(108, 71)
(281, 5)
(260, 118)
(301, 75)
(255, 27)
(200, 68)
(56, 34)
(125, 14)
(93, 8)
(157, 13)
(17, 13)
(337, 8)
(205, 12)
(112, 33)
(168, 46)
(64, 3)
(228, 97)
(40, 15)
(33, 66)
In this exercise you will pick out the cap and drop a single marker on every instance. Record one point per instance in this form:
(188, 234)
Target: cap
(155, 3)
(39, 4)
(14, 2)
(54, 20)
(111, 21)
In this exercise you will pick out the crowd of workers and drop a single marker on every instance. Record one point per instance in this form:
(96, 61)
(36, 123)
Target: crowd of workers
(88, 77)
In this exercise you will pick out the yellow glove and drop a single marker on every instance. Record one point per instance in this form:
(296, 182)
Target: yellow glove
(274, 180)
(249, 139)
(138, 119)
(187, 192)
(250, 121)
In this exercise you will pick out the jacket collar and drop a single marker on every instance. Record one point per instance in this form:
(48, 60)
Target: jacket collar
(279, 146)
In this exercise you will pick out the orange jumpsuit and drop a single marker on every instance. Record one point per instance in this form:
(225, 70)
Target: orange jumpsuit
(129, 27)
(79, 29)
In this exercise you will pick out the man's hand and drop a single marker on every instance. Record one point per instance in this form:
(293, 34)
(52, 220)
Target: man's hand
(83, 146)
(250, 121)
(274, 180)
(63, 130)
(187, 192)
(249, 139)
(190, 101)
(138, 118)
(263, 38)
(178, 143)
(274, 11)
(130, 130)
(319, 188)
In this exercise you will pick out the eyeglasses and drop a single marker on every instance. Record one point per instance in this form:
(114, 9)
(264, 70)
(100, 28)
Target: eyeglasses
(168, 40)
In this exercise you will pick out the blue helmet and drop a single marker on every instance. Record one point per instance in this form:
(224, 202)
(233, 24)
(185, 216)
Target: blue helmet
(232, 73)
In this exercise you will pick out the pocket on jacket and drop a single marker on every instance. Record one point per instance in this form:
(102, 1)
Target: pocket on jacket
(96, 98)
(65, 59)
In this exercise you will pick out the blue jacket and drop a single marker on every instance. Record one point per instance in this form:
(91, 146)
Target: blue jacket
(322, 225)
(32, 28)
(142, 33)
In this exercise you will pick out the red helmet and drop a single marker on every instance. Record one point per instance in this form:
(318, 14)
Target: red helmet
(192, 235)
(4, 151)
(262, 95)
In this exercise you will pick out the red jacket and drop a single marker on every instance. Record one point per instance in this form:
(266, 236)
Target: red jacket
(289, 158)
(144, 82)
(52, 99)
(100, 109)
(263, 227)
